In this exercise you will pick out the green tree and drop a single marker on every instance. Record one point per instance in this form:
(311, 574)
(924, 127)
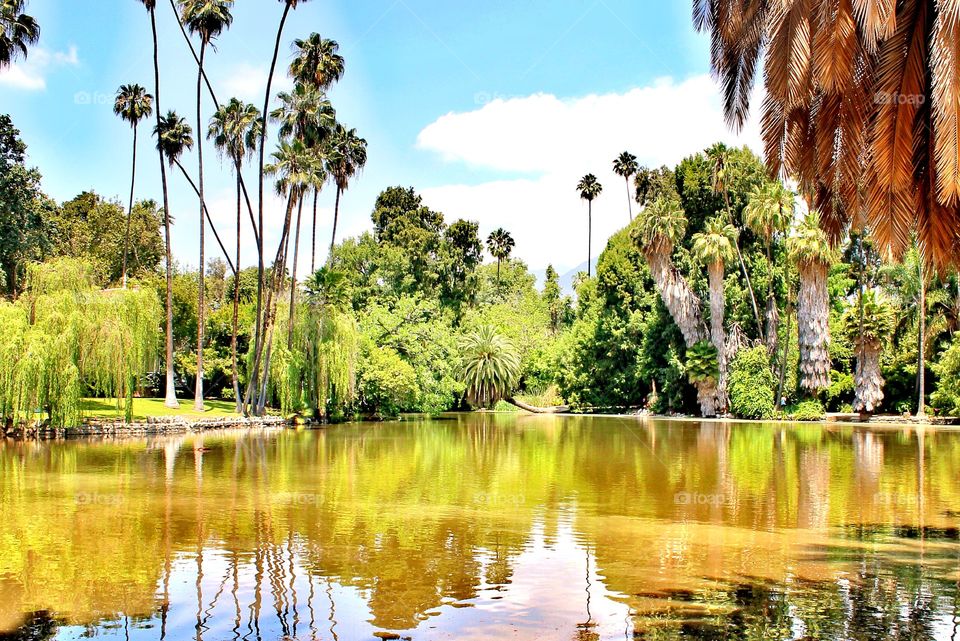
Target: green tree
(589, 189)
(500, 245)
(132, 104)
(489, 365)
(868, 325)
(17, 31)
(625, 166)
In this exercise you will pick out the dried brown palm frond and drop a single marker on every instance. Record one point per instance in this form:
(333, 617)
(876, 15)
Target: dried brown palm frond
(862, 107)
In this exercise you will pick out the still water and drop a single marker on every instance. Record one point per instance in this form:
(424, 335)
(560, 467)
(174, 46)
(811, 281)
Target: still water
(486, 527)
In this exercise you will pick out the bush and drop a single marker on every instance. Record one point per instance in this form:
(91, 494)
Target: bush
(809, 410)
(752, 385)
(946, 398)
(388, 384)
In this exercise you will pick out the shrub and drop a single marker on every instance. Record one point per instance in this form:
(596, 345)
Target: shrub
(808, 410)
(946, 398)
(388, 384)
(752, 385)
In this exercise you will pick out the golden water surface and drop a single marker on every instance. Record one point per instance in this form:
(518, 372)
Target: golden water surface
(486, 527)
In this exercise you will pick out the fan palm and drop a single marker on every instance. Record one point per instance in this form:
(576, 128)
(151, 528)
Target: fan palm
(171, 394)
(714, 248)
(235, 128)
(768, 213)
(625, 166)
(346, 156)
(811, 251)
(500, 244)
(132, 104)
(862, 106)
(305, 114)
(589, 189)
(317, 62)
(489, 366)
(868, 326)
(17, 31)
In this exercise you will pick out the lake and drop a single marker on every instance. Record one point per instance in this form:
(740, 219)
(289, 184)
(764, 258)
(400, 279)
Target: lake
(486, 526)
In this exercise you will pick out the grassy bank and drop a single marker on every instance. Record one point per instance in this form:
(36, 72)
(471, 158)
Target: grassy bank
(151, 407)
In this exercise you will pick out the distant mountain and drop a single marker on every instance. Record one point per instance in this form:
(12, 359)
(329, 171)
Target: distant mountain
(566, 279)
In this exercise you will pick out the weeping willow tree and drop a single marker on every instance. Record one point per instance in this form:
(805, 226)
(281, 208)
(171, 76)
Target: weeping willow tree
(64, 337)
(317, 374)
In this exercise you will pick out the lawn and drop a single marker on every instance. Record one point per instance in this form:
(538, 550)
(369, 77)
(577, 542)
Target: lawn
(144, 407)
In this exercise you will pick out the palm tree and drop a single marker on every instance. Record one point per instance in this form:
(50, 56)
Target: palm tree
(868, 326)
(500, 243)
(132, 104)
(862, 109)
(489, 366)
(589, 189)
(17, 31)
(171, 393)
(259, 329)
(658, 228)
(714, 248)
(626, 167)
(346, 156)
(316, 62)
(235, 128)
(206, 19)
(305, 114)
(719, 157)
(767, 214)
(810, 249)
(316, 177)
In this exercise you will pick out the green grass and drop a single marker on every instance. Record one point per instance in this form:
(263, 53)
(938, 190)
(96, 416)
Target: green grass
(144, 407)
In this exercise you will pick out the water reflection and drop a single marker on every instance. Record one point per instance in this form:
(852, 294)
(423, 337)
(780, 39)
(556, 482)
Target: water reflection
(479, 527)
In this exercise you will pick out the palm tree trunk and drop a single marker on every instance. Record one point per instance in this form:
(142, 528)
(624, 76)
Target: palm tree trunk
(743, 265)
(313, 242)
(293, 277)
(814, 330)
(171, 391)
(560, 409)
(771, 314)
(629, 199)
(921, 345)
(868, 381)
(336, 218)
(201, 296)
(259, 329)
(786, 347)
(213, 228)
(236, 304)
(133, 179)
(498, 270)
(715, 275)
(589, 236)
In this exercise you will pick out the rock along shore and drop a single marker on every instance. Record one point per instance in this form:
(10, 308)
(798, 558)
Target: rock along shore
(151, 427)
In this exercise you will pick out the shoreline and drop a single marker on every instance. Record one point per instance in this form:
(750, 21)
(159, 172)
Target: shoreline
(152, 426)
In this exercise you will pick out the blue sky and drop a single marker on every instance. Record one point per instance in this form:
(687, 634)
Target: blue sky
(491, 110)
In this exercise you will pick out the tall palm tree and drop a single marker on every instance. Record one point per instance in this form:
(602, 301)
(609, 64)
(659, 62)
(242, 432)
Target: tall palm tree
(316, 62)
(500, 244)
(288, 5)
(810, 249)
(868, 326)
(659, 227)
(346, 156)
(589, 189)
(17, 31)
(625, 166)
(171, 392)
(861, 106)
(768, 213)
(305, 114)
(235, 128)
(719, 156)
(132, 104)
(206, 19)
(714, 248)
(316, 176)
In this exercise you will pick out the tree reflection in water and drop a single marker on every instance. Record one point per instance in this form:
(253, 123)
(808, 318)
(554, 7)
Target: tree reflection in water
(478, 527)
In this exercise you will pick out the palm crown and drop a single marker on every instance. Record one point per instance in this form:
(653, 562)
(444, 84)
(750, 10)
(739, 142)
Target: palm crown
(17, 31)
(317, 62)
(489, 365)
(133, 104)
(809, 244)
(769, 210)
(235, 129)
(660, 226)
(296, 167)
(346, 154)
(500, 244)
(715, 244)
(625, 165)
(305, 114)
(589, 187)
(206, 18)
(873, 323)
(174, 136)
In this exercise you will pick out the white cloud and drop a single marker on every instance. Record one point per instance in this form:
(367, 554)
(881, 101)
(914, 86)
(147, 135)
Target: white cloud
(30, 74)
(555, 141)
